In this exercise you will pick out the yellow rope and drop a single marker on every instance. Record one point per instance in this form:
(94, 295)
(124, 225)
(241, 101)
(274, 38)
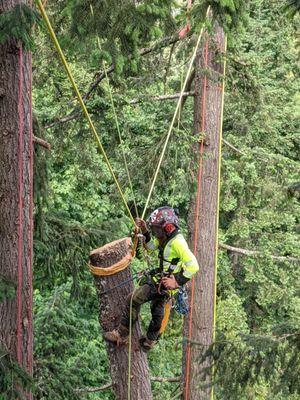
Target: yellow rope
(117, 123)
(120, 137)
(119, 266)
(129, 349)
(81, 102)
(174, 118)
(218, 203)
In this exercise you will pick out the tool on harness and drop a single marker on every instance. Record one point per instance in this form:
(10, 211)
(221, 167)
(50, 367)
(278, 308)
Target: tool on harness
(182, 301)
(146, 277)
(160, 273)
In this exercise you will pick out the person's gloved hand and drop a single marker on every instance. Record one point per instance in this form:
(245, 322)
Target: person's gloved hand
(169, 282)
(141, 224)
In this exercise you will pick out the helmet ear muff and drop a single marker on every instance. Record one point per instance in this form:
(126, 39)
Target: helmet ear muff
(169, 228)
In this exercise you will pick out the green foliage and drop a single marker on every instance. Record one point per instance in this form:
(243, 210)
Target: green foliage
(63, 250)
(17, 23)
(241, 365)
(14, 381)
(258, 297)
(231, 14)
(7, 288)
(124, 26)
(69, 352)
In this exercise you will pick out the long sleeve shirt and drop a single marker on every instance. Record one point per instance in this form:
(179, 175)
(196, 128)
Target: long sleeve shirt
(175, 257)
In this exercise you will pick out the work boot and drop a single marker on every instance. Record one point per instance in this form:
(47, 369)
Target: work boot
(146, 344)
(117, 336)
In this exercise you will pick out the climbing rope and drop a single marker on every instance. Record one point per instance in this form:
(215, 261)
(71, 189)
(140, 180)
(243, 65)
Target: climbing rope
(119, 265)
(174, 118)
(120, 138)
(20, 207)
(82, 104)
(117, 123)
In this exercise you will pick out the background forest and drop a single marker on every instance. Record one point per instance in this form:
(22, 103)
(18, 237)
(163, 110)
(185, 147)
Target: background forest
(77, 207)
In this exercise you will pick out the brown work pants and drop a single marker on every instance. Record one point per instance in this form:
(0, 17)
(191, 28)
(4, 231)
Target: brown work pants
(141, 295)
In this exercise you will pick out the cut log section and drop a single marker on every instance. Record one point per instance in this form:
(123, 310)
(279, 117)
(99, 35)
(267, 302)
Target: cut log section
(111, 303)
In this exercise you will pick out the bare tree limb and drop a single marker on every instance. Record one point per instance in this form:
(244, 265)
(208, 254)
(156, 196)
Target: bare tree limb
(179, 394)
(93, 389)
(174, 96)
(109, 384)
(233, 147)
(188, 89)
(161, 98)
(41, 142)
(70, 117)
(255, 253)
(163, 379)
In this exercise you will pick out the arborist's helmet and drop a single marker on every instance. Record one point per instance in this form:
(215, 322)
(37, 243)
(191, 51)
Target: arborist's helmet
(165, 218)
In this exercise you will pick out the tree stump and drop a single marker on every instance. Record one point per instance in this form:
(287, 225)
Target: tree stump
(111, 303)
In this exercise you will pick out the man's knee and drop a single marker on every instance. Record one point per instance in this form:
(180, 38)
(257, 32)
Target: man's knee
(139, 296)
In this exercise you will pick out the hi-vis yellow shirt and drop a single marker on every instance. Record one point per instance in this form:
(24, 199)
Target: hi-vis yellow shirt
(176, 247)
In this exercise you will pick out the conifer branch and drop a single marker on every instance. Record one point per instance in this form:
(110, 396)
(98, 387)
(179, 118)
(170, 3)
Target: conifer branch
(109, 384)
(233, 147)
(63, 120)
(161, 98)
(41, 142)
(255, 253)
(167, 41)
(99, 76)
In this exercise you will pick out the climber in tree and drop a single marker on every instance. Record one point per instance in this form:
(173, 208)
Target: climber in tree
(177, 265)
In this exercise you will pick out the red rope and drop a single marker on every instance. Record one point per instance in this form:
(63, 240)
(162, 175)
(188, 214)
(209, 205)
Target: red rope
(20, 221)
(196, 230)
(187, 27)
(30, 254)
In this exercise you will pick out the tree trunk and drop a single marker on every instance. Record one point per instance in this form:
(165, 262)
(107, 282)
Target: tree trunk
(16, 197)
(203, 218)
(110, 309)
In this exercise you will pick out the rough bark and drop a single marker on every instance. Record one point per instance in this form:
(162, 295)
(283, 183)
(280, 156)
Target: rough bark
(110, 309)
(207, 116)
(16, 197)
